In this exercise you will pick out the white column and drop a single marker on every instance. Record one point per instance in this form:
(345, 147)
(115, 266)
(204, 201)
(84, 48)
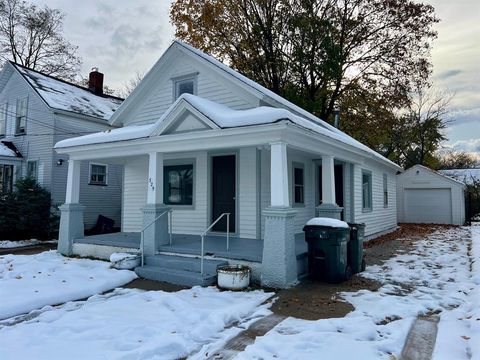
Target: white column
(328, 180)
(155, 178)
(73, 182)
(279, 192)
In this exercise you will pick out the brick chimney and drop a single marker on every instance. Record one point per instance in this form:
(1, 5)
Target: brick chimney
(95, 82)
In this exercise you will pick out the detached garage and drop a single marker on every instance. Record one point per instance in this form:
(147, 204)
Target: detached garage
(426, 196)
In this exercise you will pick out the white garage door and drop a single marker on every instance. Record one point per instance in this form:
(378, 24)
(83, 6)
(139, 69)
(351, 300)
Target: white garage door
(430, 206)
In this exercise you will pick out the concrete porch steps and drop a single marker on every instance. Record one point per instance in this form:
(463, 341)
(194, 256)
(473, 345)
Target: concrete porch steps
(179, 270)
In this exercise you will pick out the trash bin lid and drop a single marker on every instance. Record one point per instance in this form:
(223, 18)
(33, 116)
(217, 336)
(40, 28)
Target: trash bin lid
(329, 222)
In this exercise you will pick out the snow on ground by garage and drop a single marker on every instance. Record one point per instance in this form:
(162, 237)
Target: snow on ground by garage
(29, 282)
(434, 277)
(132, 324)
(8, 244)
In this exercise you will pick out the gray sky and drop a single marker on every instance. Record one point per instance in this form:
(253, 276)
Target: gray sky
(122, 37)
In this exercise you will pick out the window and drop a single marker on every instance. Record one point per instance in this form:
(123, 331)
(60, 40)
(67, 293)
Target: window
(185, 85)
(385, 190)
(178, 185)
(6, 178)
(98, 174)
(21, 116)
(366, 191)
(32, 169)
(3, 119)
(298, 184)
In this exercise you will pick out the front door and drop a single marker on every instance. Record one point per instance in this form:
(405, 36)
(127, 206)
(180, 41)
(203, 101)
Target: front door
(223, 191)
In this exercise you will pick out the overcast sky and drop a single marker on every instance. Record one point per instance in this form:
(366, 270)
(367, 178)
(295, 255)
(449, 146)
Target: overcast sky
(122, 37)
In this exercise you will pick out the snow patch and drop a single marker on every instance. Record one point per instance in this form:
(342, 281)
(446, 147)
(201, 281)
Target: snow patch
(29, 282)
(5, 151)
(322, 221)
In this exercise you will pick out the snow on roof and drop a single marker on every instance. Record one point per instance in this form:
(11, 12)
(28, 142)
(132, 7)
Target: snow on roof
(61, 95)
(222, 116)
(6, 151)
(467, 176)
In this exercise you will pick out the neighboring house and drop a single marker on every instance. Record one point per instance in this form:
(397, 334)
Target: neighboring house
(36, 111)
(427, 196)
(202, 140)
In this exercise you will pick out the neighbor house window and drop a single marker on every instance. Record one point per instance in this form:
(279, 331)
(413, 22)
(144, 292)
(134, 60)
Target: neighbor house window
(6, 178)
(385, 190)
(32, 169)
(185, 85)
(178, 185)
(3, 119)
(21, 116)
(366, 191)
(298, 184)
(98, 174)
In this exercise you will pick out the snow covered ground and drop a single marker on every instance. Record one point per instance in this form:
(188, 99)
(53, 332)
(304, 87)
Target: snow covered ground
(29, 282)
(7, 244)
(132, 324)
(433, 278)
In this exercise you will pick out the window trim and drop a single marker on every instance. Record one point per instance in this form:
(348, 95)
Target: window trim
(301, 166)
(17, 132)
(95, 183)
(3, 131)
(177, 79)
(385, 190)
(370, 175)
(36, 169)
(180, 162)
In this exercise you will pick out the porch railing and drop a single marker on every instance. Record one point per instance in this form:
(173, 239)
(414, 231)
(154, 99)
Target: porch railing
(207, 230)
(142, 233)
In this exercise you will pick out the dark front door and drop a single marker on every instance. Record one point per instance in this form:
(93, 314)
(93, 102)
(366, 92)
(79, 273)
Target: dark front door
(338, 175)
(223, 191)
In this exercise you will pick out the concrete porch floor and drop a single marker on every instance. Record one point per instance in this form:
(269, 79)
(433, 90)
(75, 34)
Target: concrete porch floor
(215, 245)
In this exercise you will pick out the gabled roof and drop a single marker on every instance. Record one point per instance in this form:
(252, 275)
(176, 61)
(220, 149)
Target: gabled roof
(61, 95)
(8, 149)
(434, 172)
(282, 106)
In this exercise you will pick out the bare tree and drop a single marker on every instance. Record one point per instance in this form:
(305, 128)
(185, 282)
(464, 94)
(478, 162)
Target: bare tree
(32, 36)
(130, 85)
(451, 158)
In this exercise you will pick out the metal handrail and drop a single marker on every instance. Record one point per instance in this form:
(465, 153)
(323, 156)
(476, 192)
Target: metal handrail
(207, 230)
(142, 232)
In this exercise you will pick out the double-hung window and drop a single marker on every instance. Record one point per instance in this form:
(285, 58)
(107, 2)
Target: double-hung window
(178, 184)
(21, 116)
(3, 119)
(298, 184)
(98, 174)
(32, 169)
(366, 191)
(6, 178)
(385, 190)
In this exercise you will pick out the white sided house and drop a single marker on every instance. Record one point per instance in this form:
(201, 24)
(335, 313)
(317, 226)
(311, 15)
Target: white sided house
(427, 196)
(217, 165)
(37, 111)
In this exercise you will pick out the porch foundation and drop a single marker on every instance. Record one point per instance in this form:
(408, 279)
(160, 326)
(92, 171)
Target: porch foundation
(329, 211)
(156, 234)
(279, 262)
(71, 227)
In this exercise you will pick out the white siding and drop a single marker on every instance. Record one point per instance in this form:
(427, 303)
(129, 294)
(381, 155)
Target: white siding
(134, 193)
(248, 193)
(428, 180)
(380, 218)
(209, 86)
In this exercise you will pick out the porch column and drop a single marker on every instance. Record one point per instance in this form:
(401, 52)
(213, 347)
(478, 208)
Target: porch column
(328, 208)
(71, 219)
(157, 233)
(279, 262)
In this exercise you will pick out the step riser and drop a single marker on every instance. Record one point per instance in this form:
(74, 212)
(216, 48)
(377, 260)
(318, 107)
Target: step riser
(177, 279)
(186, 264)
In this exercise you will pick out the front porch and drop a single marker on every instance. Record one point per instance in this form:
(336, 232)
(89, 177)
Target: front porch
(250, 250)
